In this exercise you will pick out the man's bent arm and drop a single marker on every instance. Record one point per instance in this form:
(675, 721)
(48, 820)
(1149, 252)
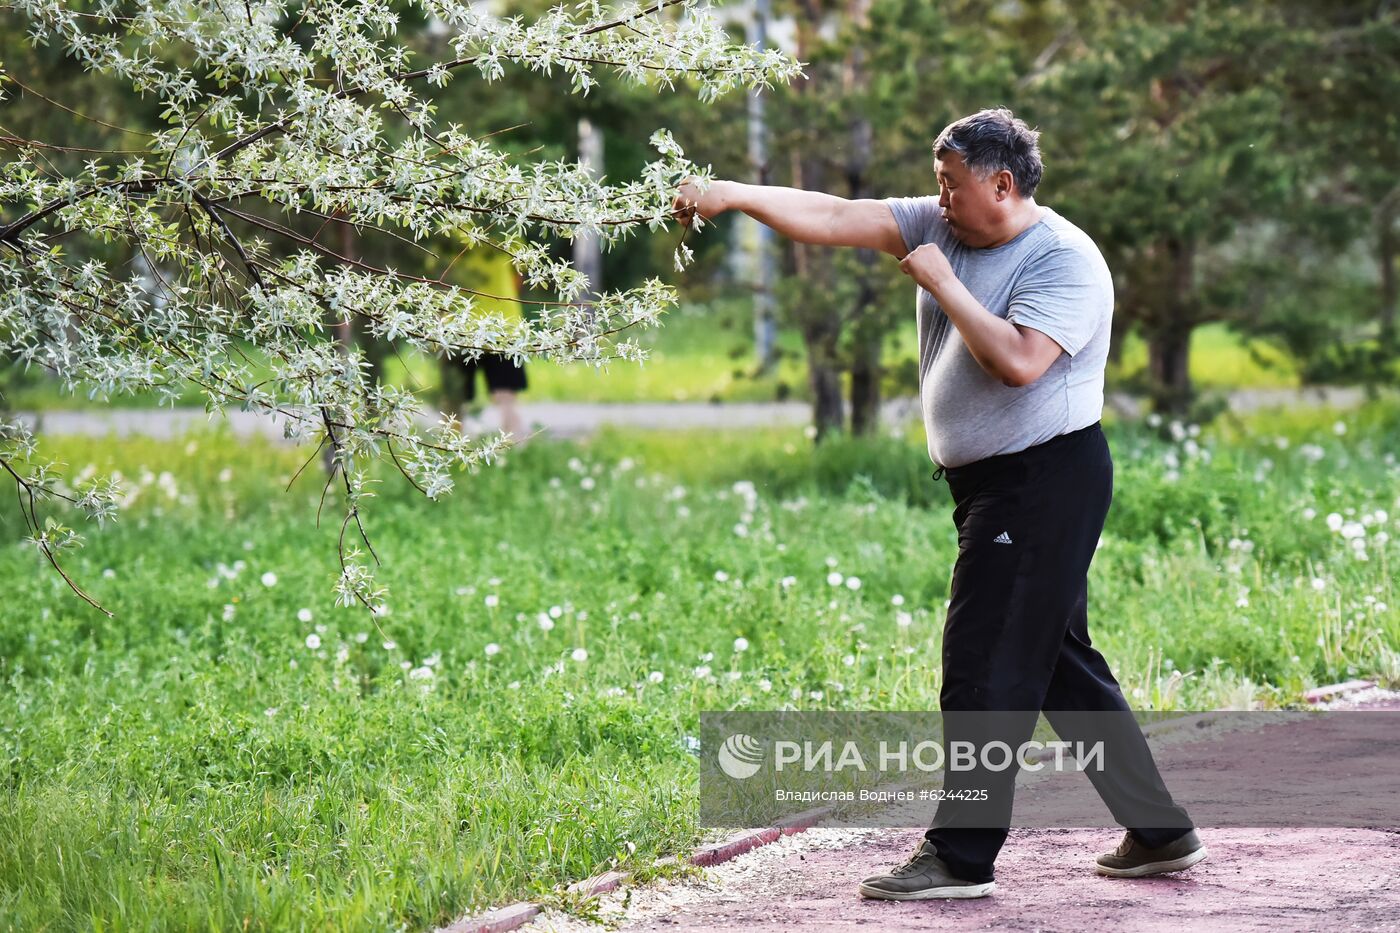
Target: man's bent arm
(810, 216)
(1014, 354)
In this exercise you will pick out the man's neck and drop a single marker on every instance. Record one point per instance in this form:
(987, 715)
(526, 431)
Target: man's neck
(1026, 216)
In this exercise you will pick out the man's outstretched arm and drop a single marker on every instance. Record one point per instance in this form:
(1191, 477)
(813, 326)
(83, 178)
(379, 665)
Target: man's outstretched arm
(805, 216)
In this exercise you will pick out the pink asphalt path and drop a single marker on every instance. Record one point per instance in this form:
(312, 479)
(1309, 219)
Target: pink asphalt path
(1254, 879)
(1274, 879)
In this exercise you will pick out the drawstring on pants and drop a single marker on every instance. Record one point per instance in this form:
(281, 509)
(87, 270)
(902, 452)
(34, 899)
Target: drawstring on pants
(938, 474)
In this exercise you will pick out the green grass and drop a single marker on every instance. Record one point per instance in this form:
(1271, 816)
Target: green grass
(705, 353)
(196, 762)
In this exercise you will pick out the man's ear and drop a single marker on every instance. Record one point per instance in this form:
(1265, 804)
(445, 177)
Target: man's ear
(1005, 185)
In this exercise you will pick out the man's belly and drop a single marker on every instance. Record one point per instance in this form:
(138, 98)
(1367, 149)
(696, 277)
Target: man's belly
(969, 415)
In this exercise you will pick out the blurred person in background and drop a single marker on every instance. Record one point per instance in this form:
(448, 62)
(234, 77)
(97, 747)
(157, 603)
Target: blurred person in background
(488, 272)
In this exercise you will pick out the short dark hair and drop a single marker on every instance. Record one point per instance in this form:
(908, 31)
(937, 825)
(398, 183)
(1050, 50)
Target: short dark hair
(994, 141)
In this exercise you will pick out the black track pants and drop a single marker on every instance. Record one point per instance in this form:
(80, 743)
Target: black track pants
(1017, 635)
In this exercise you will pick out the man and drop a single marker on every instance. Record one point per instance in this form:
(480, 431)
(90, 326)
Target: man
(1014, 306)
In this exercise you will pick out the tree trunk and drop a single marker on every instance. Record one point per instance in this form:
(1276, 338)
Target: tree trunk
(344, 331)
(824, 376)
(865, 388)
(762, 264)
(820, 324)
(1169, 337)
(1169, 365)
(865, 365)
(588, 250)
(1387, 245)
(1121, 325)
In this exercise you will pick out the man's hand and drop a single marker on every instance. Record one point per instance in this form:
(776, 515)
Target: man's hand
(927, 266)
(689, 201)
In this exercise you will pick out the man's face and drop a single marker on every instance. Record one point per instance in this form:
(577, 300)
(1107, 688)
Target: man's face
(970, 204)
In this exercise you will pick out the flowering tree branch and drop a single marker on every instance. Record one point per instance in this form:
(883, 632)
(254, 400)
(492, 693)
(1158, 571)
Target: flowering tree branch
(278, 108)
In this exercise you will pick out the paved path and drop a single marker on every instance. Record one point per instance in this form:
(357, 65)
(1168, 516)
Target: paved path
(573, 419)
(1253, 880)
(560, 419)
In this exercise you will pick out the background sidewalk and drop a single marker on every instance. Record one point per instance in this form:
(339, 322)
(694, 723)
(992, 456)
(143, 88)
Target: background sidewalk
(574, 419)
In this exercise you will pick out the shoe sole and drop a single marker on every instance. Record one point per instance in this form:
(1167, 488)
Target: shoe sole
(1154, 868)
(953, 892)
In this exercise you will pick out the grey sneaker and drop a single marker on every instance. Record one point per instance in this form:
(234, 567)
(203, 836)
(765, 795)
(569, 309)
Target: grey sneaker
(923, 877)
(1132, 859)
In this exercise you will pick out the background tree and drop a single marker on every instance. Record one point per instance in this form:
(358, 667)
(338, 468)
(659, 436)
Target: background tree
(1334, 287)
(1195, 142)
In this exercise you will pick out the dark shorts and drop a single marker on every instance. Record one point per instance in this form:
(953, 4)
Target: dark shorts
(499, 371)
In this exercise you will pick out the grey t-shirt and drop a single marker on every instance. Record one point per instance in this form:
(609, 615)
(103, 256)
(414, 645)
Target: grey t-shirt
(1052, 278)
